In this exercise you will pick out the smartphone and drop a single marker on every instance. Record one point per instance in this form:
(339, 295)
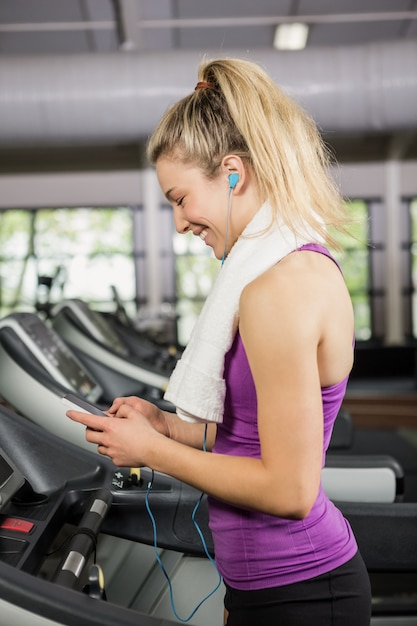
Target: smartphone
(78, 404)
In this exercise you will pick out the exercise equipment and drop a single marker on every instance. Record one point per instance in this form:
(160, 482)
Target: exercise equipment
(69, 500)
(113, 361)
(67, 503)
(363, 478)
(37, 368)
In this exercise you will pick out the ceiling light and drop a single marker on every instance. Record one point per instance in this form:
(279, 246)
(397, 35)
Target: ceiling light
(291, 36)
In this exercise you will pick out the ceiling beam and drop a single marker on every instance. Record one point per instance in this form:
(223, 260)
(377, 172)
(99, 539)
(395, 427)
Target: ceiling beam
(207, 22)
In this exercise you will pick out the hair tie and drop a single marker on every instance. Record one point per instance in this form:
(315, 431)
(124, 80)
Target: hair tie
(202, 84)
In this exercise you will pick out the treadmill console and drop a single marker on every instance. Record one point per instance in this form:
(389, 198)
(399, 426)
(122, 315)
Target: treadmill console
(11, 479)
(50, 351)
(93, 324)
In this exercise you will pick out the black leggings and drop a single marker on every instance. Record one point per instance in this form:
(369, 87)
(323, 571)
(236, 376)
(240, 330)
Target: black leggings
(341, 597)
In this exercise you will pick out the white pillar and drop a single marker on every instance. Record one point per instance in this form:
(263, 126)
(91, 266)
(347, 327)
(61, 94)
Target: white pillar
(393, 311)
(151, 196)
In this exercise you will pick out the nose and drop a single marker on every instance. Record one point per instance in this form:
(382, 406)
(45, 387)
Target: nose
(182, 225)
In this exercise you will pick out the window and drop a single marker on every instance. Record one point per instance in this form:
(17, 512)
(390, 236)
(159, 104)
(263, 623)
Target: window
(196, 270)
(412, 246)
(84, 251)
(355, 263)
(65, 253)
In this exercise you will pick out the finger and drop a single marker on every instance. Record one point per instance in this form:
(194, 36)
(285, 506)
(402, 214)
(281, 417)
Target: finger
(88, 419)
(93, 436)
(102, 450)
(125, 410)
(115, 405)
(133, 401)
(117, 402)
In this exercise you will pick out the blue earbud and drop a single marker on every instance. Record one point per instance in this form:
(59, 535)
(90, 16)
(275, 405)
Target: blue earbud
(233, 180)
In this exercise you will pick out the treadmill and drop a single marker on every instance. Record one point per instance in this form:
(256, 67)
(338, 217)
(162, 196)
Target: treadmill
(114, 359)
(37, 368)
(65, 518)
(76, 545)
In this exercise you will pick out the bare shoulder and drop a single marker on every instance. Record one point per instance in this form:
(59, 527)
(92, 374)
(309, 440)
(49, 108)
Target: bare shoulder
(302, 277)
(301, 303)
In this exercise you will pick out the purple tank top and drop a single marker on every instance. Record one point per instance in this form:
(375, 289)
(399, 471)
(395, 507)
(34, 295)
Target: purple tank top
(255, 550)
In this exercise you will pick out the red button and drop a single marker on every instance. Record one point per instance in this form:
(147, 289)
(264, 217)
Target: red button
(18, 525)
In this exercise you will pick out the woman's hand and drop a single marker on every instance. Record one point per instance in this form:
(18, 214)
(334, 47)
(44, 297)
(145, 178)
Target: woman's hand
(128, 434)
(155, 415)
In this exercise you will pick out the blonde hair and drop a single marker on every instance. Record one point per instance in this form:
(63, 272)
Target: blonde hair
(242, 111)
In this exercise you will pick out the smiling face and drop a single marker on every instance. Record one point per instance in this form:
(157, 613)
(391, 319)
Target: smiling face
(199, 203)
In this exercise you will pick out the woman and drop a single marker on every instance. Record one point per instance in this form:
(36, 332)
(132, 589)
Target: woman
(265, 371)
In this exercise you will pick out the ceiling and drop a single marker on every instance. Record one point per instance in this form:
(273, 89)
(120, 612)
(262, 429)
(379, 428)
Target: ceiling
(51, 27)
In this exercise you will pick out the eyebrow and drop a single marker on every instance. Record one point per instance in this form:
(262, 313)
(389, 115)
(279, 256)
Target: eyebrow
(168, 194)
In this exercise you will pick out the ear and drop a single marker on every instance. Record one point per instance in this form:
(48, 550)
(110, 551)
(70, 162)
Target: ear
(233, 164)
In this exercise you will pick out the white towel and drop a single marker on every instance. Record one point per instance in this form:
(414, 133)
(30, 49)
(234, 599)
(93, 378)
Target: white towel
(196, 386)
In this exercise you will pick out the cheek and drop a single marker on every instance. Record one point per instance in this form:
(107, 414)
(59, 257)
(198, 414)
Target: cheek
(208, 205)
(217, 209)
(200, 211)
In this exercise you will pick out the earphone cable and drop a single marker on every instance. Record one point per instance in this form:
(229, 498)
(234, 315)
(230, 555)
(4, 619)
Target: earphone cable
(203, 541)
(229, 204)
